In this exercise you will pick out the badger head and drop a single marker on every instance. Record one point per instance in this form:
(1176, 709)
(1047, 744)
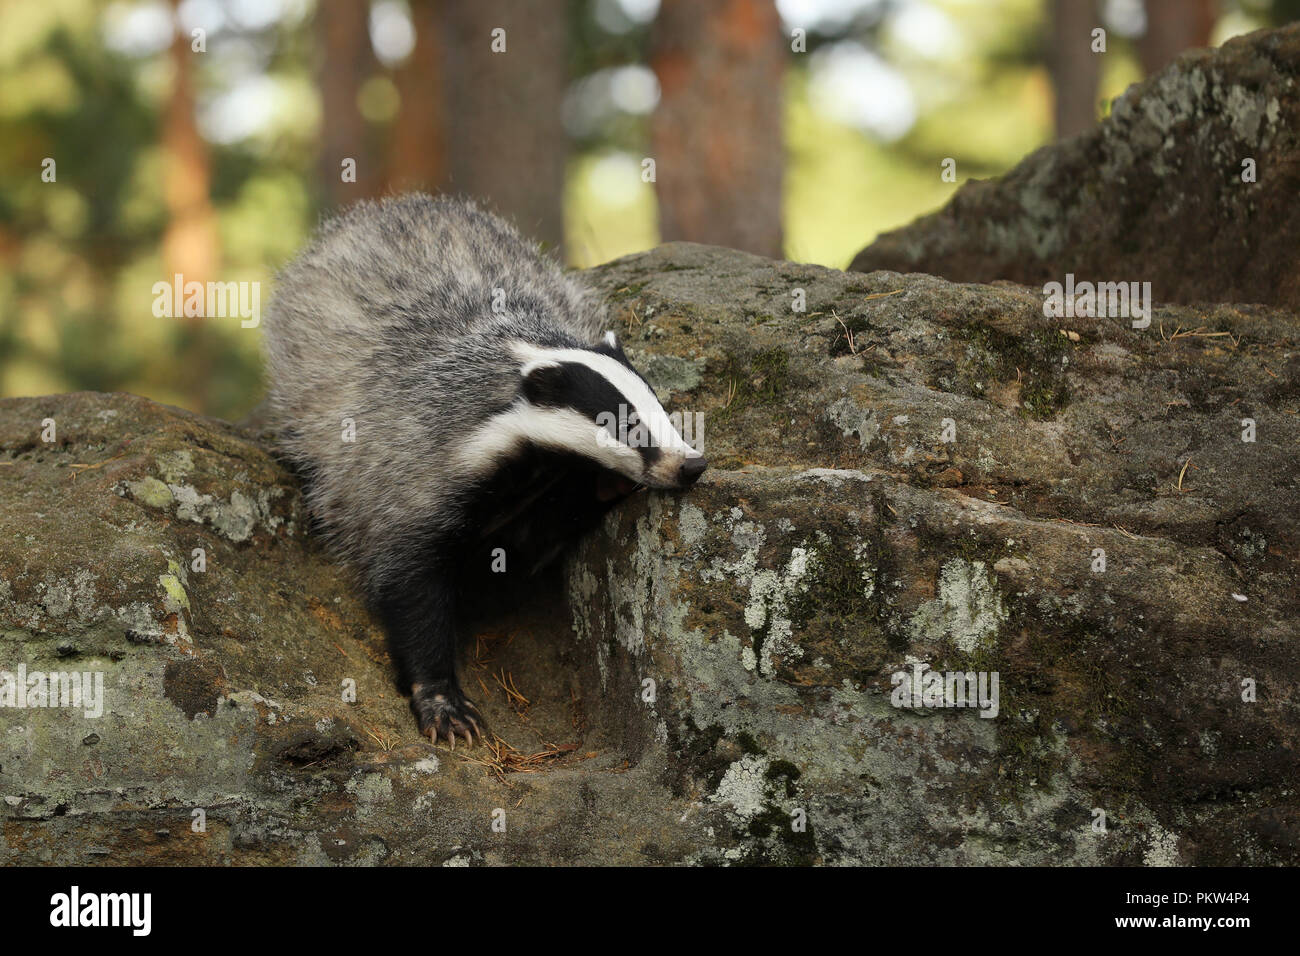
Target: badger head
(591, 402)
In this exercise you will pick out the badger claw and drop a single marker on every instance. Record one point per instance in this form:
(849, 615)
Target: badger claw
(443, 712)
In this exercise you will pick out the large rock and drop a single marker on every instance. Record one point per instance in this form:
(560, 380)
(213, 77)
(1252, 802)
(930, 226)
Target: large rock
(844, 538)
(1154, 193)
(718, 664)
(224, 688)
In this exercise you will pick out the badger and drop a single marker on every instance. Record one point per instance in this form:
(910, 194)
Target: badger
(454, 405)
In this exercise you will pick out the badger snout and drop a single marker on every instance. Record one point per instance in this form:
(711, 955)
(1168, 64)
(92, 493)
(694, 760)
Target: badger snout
(674, 471)
(690, 471)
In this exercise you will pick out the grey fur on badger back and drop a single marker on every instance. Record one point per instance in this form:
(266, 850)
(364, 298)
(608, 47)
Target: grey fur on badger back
(479, 381)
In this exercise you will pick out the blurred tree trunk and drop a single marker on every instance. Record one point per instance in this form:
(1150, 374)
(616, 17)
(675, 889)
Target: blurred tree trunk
(189, 244)
(418, 154)
(717, 132)
(347, 61)
(506, 143)
(1075, 69)
(1172, 27)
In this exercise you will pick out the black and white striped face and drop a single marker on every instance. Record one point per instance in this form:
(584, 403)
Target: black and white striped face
(592, 402)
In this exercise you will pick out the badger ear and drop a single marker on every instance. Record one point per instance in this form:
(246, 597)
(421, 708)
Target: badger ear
(612, 345)
(544, 383)
(529, 368)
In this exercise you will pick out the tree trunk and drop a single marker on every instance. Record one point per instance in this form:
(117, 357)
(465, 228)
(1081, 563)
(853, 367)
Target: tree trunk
(418, 156)
(717, 132)
(347, 60)
(189, 244)
(506, 143)
(1074, 67)
(1172, 27)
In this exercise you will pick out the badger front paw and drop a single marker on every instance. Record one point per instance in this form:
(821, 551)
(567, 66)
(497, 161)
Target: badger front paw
(445, 713)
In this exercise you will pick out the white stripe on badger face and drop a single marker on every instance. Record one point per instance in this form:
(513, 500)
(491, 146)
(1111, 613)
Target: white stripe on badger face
(565, 428)
(629, 384)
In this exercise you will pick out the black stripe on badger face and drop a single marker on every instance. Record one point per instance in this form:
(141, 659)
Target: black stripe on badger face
(586, 391)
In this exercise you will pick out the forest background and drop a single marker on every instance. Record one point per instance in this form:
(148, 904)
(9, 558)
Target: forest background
(141, 139)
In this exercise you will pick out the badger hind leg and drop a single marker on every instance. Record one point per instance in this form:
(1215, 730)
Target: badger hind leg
(420, 621)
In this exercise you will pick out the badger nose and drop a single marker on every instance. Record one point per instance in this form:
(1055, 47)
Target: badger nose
(691, 469)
